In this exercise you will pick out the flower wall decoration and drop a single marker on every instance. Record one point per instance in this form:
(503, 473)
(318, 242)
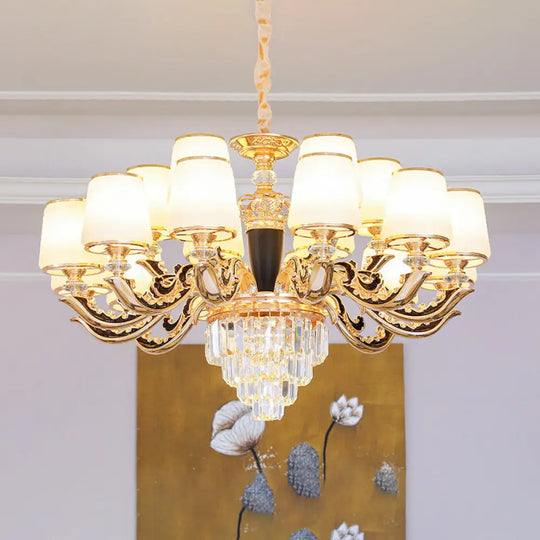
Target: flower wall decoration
(347, 533)
(236, 433)
(197, 471)
(345, 413)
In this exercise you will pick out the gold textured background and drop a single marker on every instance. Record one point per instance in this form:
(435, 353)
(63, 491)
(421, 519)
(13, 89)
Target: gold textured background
(186, 490)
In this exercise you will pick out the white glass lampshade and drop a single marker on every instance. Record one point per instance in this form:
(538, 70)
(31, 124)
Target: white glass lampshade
(344, 247)
(336, 143)
(61, 246)
(117, 213)
(156, 182)
(470, 239)
(203, 198)
(393, 270)
(438, 274)
(197, 145)
(374, 175)
(95, 283)
(417, 207)
(324, 195)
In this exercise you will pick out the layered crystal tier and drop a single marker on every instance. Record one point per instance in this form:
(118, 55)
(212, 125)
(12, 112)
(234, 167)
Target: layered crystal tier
(267, 357)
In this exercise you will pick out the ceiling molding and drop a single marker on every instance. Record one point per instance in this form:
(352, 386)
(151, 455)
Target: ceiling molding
(22, 277)
(508, 276)
(278, 97)
(34, 277)
(495, 189)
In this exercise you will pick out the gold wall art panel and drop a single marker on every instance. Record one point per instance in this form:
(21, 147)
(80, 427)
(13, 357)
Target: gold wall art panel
(197, 447)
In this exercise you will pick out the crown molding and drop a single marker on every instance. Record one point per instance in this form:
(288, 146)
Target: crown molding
(35, 277)
(22, 277)
(495, 189)
(251, 97)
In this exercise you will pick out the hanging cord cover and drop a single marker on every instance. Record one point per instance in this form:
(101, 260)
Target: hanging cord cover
(263, 65)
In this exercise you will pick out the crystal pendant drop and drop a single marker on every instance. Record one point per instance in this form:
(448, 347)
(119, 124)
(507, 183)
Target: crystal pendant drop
(267, 349)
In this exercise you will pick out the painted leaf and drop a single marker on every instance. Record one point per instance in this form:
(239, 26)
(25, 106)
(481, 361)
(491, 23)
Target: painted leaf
(258, 496)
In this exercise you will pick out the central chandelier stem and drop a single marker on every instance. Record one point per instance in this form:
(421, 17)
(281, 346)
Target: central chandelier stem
(263, 67)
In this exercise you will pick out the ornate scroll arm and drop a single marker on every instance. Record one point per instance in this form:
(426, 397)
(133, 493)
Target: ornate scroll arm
(445, 302)
(365, 282)
(220, 279)
(363, 287)
(376, 262)
(88, 311)
(310, 279)
(176, 330)
(352, 328)
(407, 328)
(153, 267)
(166, 292)
(119, 335)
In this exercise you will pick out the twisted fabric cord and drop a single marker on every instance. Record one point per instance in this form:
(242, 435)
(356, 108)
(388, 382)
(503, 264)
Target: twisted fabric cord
(263, 65)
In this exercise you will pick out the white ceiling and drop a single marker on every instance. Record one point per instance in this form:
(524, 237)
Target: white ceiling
(318, 45)
(104, 84)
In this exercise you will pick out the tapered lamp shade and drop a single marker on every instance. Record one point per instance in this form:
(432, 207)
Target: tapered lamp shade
(417, 208)
(197, 145)
(393, 271)
(203, 199)
(61, 246)
(324, 195)
(344, 247)
(470, 239)
(156, 182)
(335, 143)
(117, 213)
(374, 175)
(437, 276)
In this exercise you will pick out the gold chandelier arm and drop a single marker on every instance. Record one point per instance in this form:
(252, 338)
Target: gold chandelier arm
(220, 279)
(153, 267)
(411, 329)
(309, 278)
(263, 66)
(367, 290)
(352, 328)
(88, 311)
(376, 262)
(176, 329)
(166, 292)
(119, 335)
(445, 302)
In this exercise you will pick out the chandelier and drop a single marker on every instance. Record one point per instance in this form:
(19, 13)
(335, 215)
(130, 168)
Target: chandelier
(266, 321)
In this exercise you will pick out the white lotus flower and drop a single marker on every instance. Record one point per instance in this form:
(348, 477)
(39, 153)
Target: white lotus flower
(347, 533)
(346, 413)
(234, 430)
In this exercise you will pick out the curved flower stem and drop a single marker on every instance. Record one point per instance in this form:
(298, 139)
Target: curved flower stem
(324, 448)
(238, 528)
(257, 462)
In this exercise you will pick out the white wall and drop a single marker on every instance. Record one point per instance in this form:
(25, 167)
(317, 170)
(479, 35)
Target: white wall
(68, 425)
(473, 437)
